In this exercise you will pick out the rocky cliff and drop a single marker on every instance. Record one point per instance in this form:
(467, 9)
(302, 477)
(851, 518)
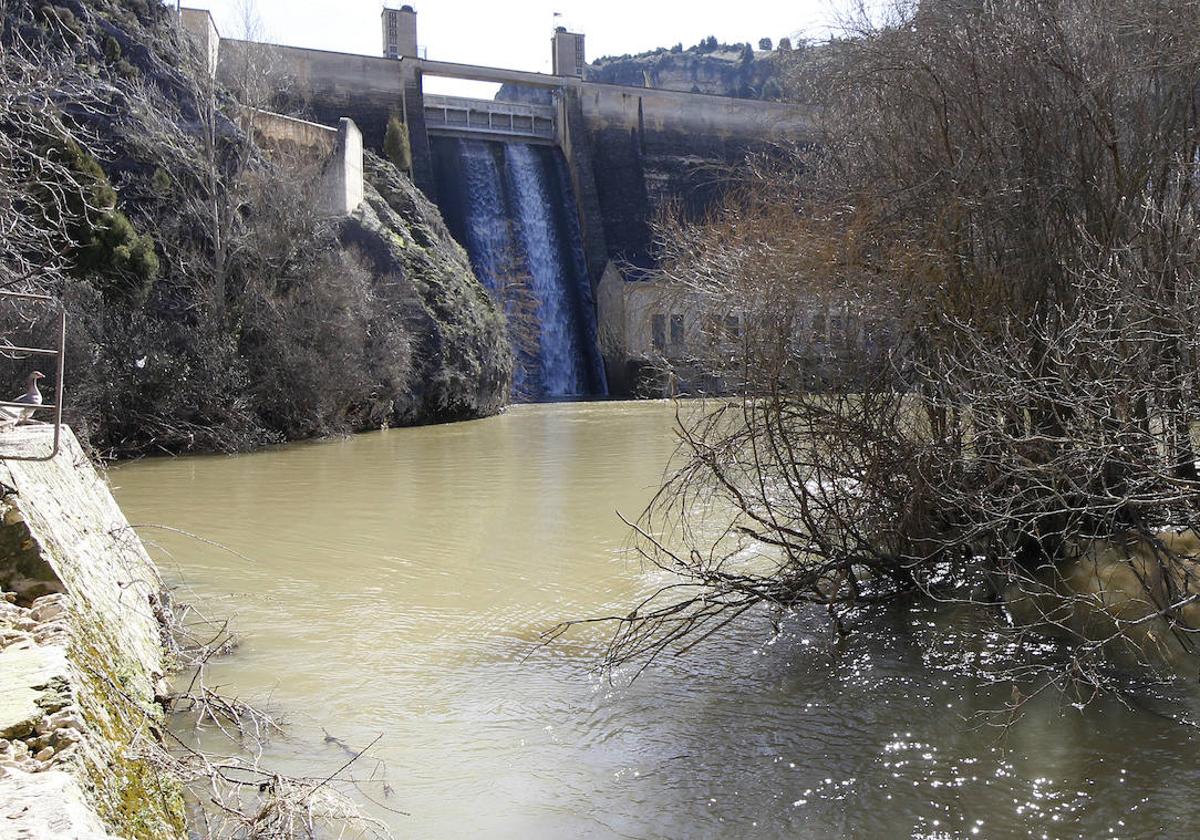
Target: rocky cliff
(463, 366)
(718, 69)
(726, 70)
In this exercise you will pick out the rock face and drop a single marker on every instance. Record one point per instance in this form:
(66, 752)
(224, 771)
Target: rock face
(81, 657)
(464, 363)
(725, 71)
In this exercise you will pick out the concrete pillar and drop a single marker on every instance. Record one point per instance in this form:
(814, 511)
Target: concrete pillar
(566, 51)
(400, 32)
(198, 23)
(343, 187)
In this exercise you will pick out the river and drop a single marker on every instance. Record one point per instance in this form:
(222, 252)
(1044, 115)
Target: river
(397, 583)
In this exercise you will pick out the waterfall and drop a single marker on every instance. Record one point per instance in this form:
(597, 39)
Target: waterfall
(512, 208)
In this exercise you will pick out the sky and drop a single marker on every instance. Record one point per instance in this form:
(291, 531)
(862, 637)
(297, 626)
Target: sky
(516, 34)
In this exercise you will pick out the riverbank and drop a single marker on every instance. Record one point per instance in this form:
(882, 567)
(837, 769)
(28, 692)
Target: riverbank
(81, 656)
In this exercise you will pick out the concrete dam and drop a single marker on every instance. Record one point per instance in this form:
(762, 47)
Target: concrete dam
(556, 197)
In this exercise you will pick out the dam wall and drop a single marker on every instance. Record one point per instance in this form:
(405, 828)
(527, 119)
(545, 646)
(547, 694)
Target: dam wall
(81, 656)
(324, 86)
(660, 147)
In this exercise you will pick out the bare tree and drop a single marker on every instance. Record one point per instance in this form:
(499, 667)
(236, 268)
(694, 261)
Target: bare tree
(40, 194)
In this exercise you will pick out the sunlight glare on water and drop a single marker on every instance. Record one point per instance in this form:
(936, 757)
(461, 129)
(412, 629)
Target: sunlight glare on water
(400, 581)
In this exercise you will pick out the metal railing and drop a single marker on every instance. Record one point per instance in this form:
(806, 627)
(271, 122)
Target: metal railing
(486, 116)
(13, 351)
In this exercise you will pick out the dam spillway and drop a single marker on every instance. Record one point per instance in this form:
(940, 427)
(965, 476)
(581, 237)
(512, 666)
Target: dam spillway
(511, 207)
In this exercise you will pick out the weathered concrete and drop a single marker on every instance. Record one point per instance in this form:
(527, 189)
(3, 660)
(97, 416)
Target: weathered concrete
(343, 181)
(336, 152)
(199, 24)
(480, 73)
(457, 116)
(80, 667)
(289, 135)
(679, 114)
(326, 85)
(631, 149)
(577, 148)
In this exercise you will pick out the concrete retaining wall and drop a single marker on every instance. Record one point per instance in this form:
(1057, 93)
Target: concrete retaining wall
(199, 24)
(289, 135)
(337, 152)
(343, 190)
(81, 656)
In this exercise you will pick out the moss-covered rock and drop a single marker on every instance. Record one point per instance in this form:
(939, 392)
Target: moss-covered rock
(80, 669)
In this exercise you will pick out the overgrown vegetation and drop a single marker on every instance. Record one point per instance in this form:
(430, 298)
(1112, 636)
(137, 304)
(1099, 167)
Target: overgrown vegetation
(967, 365)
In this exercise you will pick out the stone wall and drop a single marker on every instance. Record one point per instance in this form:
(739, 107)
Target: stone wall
(81, 656)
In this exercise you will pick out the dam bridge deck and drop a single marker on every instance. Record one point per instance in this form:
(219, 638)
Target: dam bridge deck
(459, 116)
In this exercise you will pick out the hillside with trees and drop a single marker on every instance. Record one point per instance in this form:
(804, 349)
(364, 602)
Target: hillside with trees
(210, 305)
(742, 70)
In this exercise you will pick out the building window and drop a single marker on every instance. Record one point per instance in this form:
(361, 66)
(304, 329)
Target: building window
(733, 327)
(677, 329)
(659, 331)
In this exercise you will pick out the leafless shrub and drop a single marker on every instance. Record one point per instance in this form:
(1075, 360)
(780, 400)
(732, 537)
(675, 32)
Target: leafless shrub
(1006, 192)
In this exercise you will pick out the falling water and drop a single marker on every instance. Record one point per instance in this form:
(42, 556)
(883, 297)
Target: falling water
(511, 206)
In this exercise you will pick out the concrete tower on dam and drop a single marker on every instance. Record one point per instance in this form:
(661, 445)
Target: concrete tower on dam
(628, 150)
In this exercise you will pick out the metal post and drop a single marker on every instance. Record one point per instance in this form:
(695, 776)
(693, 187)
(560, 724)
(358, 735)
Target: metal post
(60, 355)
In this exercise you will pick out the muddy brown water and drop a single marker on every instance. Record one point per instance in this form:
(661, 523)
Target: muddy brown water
(397, 585)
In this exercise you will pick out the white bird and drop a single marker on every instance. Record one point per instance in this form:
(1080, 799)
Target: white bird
(11, 416)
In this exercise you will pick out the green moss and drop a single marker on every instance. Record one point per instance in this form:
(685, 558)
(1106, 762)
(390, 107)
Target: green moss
(396, 144)
(112, 49)
(111, 253)
(133, 798)
(162, 183)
